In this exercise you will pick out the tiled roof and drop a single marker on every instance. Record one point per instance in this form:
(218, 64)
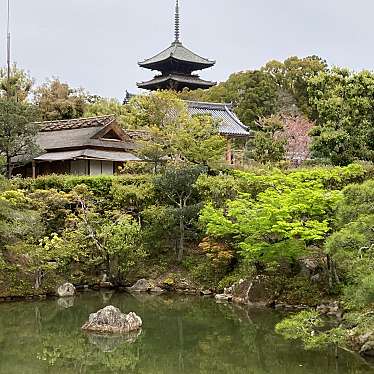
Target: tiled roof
(230, 124)
(88, 154)
(177, 51)
(188, 79)
(78, 123)
(78, 133)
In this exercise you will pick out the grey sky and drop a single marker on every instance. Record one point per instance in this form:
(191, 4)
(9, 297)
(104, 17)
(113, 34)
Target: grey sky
(96, 44)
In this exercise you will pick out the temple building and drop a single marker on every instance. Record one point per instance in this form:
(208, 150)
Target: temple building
(176, 65)
(82, 146)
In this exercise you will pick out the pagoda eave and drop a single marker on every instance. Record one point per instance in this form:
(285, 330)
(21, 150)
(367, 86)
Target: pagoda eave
(177, 64)
(177, 83)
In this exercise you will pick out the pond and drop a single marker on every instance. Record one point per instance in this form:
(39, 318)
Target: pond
(180, 335)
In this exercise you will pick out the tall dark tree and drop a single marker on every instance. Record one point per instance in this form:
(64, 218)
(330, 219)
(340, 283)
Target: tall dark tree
(176, 187)
(292, 78)
(17, 132)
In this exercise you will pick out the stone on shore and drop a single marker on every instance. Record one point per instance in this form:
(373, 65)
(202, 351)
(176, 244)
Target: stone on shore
(223, 297)
(66, 290)
(111, 320)
(142, 285)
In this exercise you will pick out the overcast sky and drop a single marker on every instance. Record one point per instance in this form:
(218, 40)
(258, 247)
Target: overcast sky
(96, 44)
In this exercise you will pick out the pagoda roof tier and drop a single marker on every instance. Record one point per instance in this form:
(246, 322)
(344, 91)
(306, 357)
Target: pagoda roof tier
(176, 82)
(177, 53)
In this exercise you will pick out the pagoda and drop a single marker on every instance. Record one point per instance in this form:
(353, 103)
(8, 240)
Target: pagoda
(176, 65)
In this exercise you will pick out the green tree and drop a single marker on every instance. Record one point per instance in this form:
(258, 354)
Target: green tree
(342, 101)
(253, 93)
(18, 86)
(176, 187)
(170, 133)
(291, 77)
(268, 144)
(279, 223)
(17, 133)
(104, 106)
(58, 101)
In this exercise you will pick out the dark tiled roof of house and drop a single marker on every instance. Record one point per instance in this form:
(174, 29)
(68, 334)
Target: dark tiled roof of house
(230, 124)
(77, 123)
(79, 133)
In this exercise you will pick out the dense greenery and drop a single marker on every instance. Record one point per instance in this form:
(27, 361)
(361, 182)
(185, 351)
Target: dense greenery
(17, 133)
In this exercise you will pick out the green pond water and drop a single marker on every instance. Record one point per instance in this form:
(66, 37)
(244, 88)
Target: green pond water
(180, 335)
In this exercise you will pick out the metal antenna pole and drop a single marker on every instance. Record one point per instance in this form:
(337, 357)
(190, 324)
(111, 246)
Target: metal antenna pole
(8, 43)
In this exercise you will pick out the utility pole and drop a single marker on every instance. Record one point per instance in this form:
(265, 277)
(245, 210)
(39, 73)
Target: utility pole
(8, 47)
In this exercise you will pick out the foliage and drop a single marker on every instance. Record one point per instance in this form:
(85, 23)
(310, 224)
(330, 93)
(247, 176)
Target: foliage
(170, 133)
(268, 146)
(176, 187)
(18, 87)
(104, 107)
(308, 326)
(18, 221)
(277, 223)
(17, 132)
(253, 94)
(342, 102)
(292, 77)
(58, 101)
(352, 246)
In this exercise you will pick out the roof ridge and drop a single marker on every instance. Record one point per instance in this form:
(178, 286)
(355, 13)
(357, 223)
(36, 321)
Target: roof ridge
(236, 119)
(228, 105)
(75, 119)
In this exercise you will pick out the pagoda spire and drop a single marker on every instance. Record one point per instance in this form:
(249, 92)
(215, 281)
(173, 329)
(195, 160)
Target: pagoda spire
(177, 23)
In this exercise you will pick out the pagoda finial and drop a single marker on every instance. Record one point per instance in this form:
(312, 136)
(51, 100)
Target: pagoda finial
(177, 22)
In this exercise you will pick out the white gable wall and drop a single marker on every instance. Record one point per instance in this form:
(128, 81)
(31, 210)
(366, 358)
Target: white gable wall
(101, 167)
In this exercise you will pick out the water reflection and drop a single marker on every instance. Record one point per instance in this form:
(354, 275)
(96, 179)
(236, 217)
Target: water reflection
(180, 335)
(66, 302)
(109, 343)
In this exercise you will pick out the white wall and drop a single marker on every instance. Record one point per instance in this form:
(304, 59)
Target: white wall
(101, 167)
(79, 167)
(95, 167)
(107, 167)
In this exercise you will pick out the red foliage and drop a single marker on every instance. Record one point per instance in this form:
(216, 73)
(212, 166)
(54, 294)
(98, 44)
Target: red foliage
(296, 132)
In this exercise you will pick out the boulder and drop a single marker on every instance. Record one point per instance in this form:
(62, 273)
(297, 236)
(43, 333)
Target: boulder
(142, 285)
(367, 349)
(311, 266)
(223, 297)
(111, 320)
(258, 291)
(66, 290)
(206, 292)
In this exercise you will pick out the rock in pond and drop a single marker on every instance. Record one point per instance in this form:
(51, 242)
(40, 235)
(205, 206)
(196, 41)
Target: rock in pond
(223, 297)
(142, 285)
(111, 320)
(66, 290)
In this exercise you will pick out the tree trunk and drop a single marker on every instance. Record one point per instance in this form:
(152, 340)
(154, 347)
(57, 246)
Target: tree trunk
(39, 274)
(8, 168)
(181, 238)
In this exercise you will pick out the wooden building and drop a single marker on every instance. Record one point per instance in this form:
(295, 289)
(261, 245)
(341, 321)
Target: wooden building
(84, 146)
(230, 127)
(176, 65)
